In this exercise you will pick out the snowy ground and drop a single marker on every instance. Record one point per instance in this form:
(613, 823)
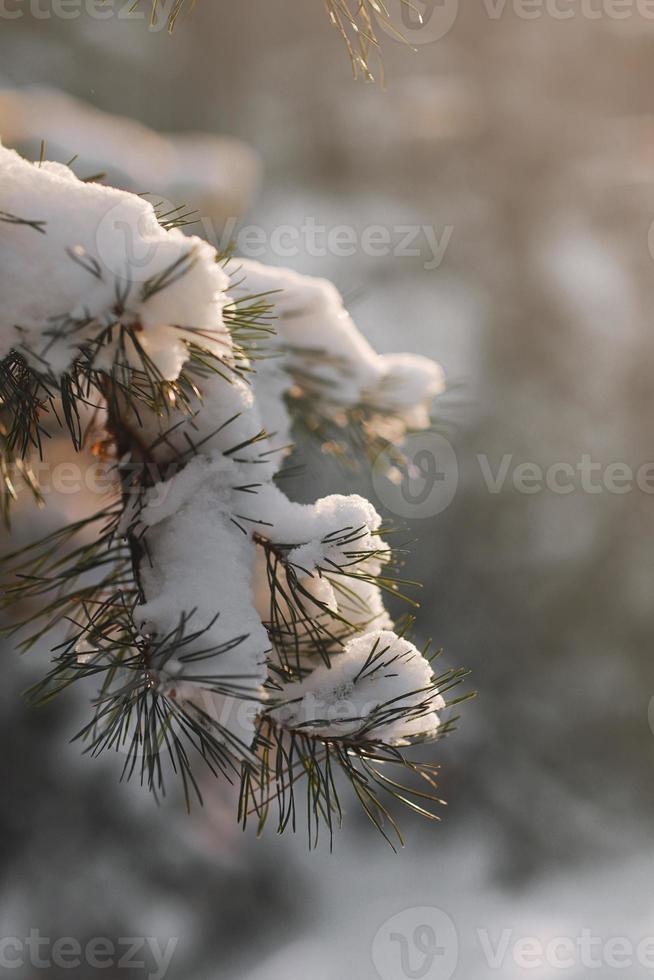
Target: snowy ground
(482, 930)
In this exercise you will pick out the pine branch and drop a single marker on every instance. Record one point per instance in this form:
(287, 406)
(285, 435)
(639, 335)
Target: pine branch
(357, 22)
(173, 648)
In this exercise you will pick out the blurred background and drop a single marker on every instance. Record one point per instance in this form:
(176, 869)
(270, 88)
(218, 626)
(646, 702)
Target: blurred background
(527, 145)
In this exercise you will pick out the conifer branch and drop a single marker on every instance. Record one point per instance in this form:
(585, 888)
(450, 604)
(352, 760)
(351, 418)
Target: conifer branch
(218, 621)
(357, 21)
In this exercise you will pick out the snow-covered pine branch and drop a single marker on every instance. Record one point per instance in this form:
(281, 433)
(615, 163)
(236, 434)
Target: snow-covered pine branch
(220, 616)
(94, 261)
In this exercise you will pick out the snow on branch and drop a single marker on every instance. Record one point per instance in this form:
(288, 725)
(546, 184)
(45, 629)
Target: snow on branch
(381, 686)
(220, 616)
(100, 261)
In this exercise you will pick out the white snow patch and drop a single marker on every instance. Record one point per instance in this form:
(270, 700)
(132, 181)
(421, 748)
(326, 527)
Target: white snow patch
(99, 257)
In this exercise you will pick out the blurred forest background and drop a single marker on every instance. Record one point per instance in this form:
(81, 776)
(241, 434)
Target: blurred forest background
(534, 141)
